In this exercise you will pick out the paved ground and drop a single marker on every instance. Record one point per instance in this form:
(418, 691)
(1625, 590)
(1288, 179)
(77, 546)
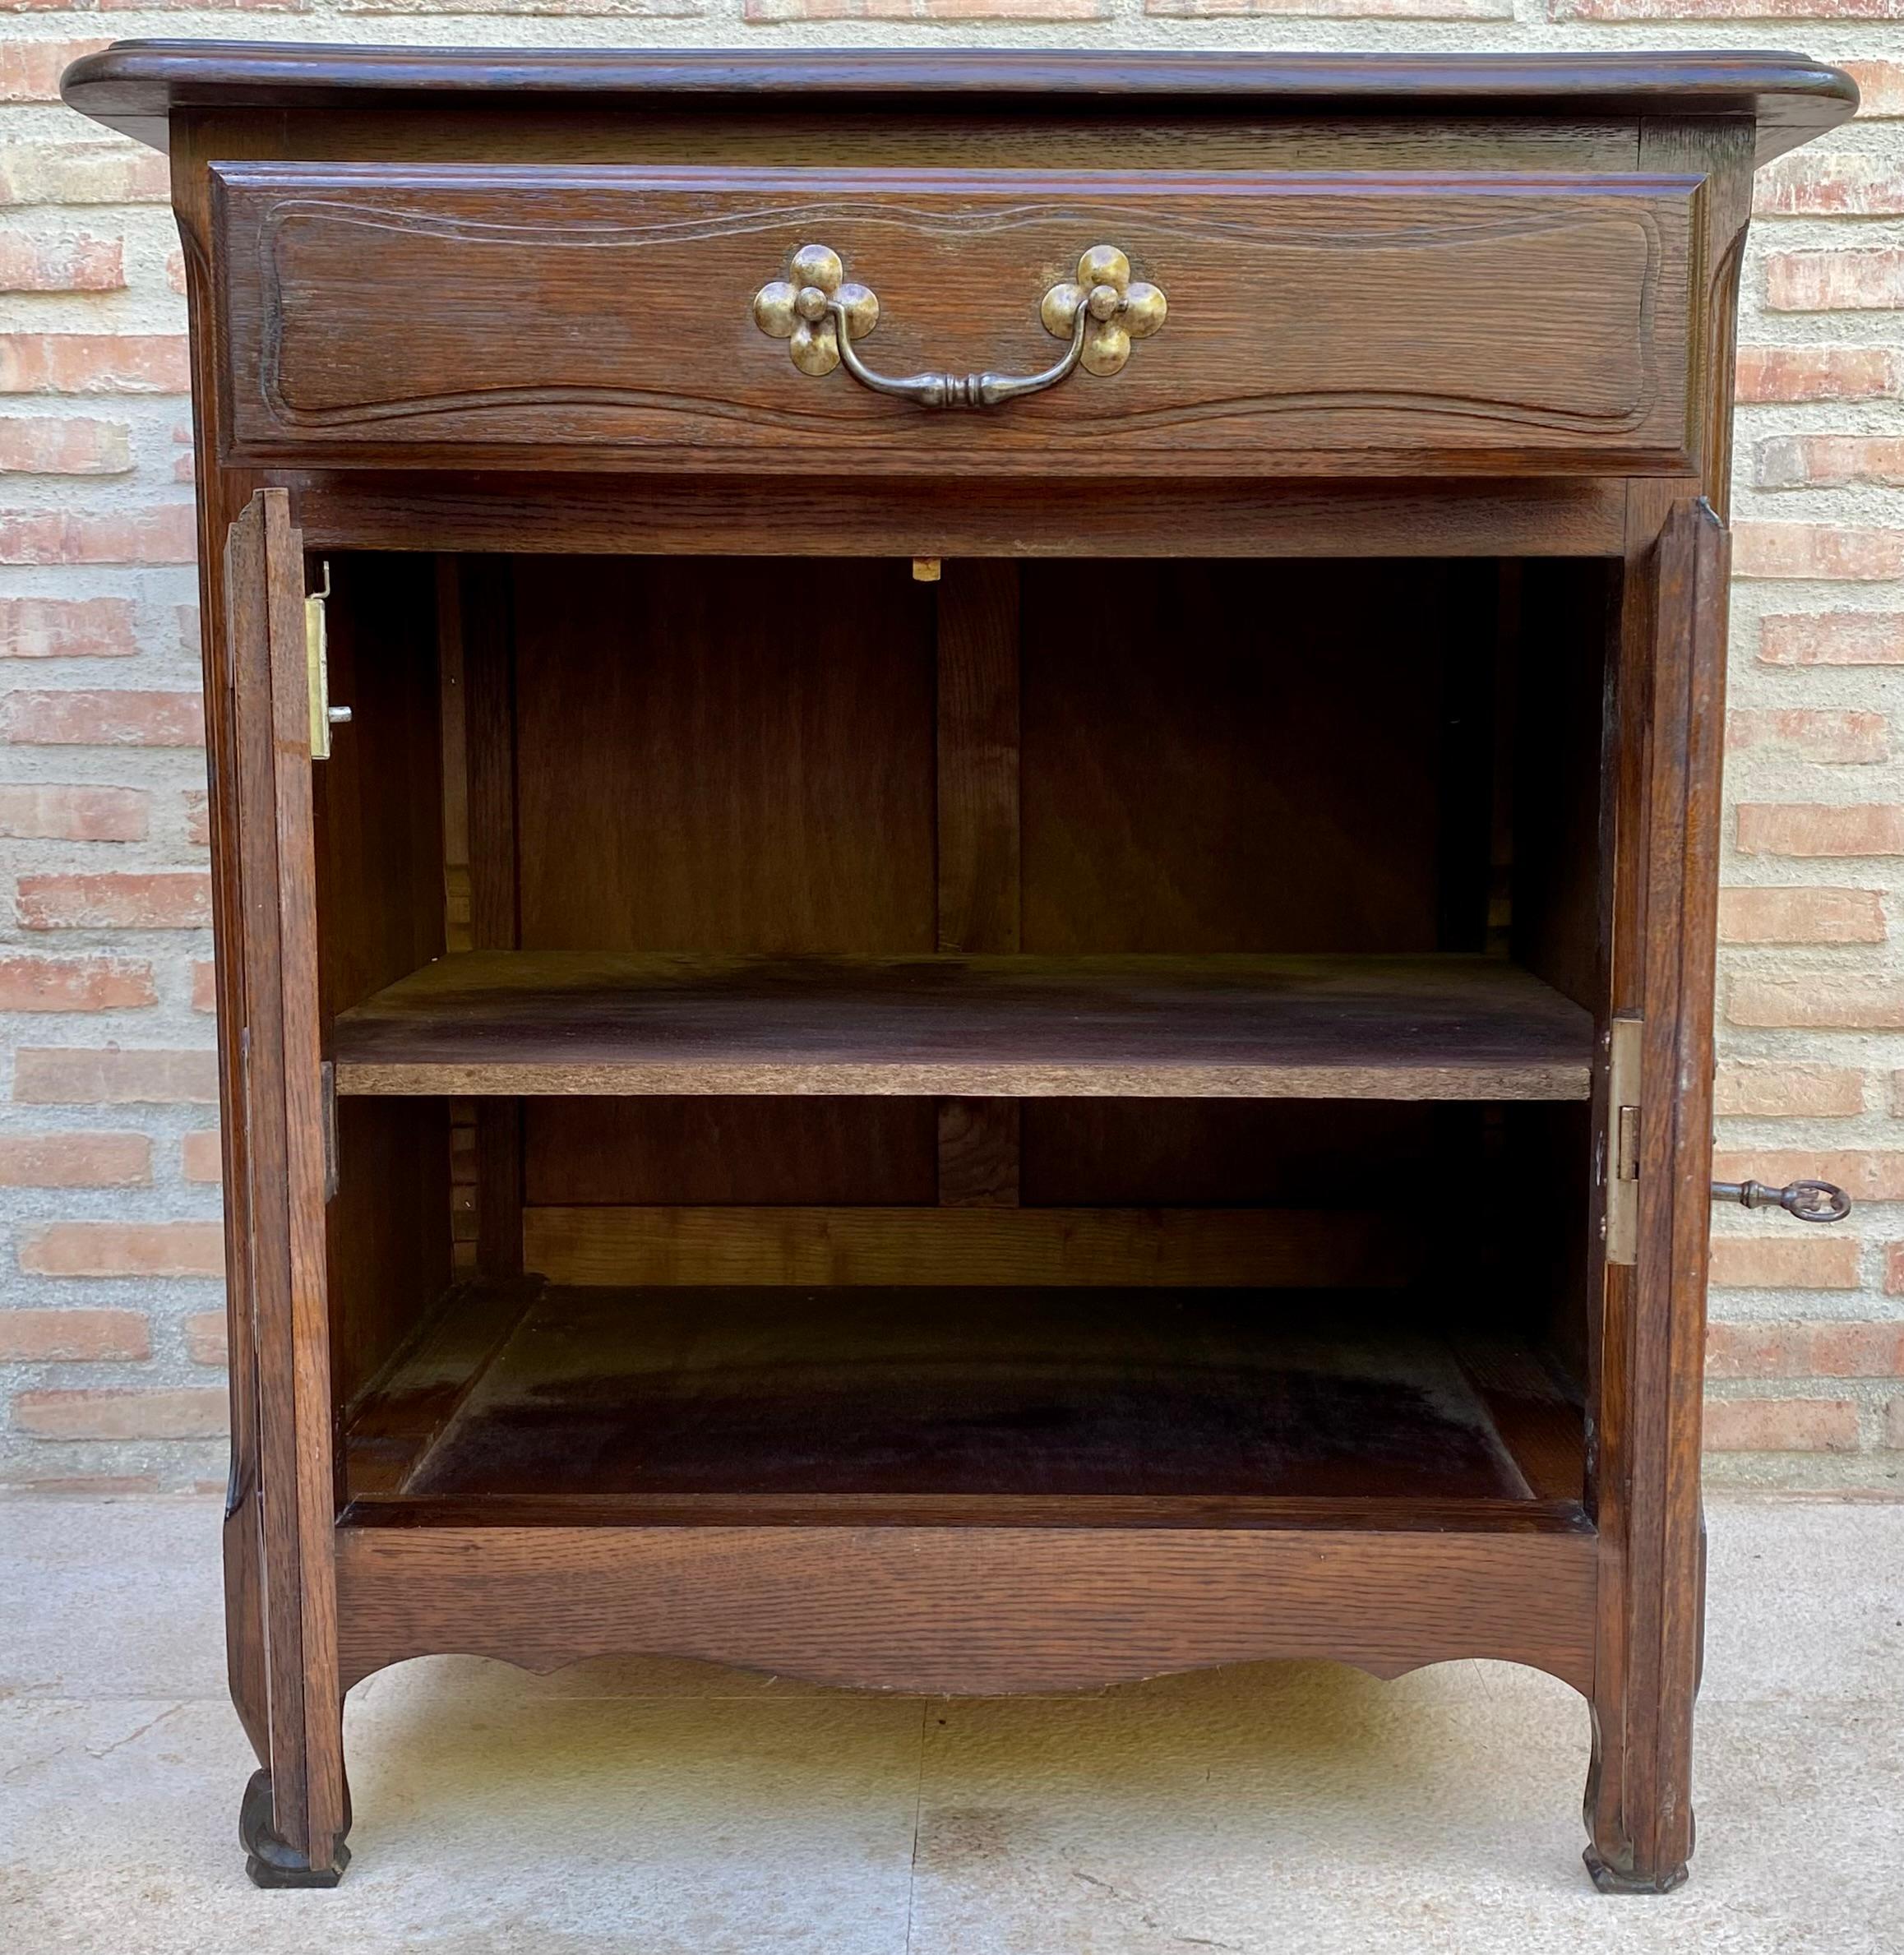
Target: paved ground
(650, 1808)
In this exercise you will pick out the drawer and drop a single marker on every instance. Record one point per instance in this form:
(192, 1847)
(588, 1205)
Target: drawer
(610, 317)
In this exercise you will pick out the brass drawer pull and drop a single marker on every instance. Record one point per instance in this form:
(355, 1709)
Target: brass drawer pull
(1809, 1201)
(822, 312)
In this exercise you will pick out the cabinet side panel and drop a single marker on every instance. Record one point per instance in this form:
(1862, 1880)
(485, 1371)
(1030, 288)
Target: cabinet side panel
(378, 807)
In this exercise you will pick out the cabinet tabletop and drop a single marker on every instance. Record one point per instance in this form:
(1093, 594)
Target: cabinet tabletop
(134, 86)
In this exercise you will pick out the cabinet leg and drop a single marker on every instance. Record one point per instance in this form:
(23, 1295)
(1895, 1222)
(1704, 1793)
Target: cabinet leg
(1640, 1826)
(269, 1860)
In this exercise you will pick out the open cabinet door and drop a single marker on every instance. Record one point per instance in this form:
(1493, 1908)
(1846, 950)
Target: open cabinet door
(1646, 1494)
(295, 1815)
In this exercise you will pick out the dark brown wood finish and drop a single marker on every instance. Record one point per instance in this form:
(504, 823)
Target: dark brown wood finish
(663, 692)
(954, 1610)
(1639, 1792)
(1455, 1027)
(284, 1116)
(681, 517)
(137, 86)
(1491, 320)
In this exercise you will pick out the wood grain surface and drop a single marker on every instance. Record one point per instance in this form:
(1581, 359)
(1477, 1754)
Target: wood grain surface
(135, 85)
(1319, 324)
(864, 1388)
(283, 1111)
(990, 1245)
(968, 1611)
(1453, 1027)
(688, 515)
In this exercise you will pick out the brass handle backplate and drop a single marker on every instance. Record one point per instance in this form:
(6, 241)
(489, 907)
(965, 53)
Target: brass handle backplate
(822, 312)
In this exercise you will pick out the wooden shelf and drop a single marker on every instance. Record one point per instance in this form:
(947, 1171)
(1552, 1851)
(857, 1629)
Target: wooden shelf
(875, 1405)
(1428, 1027)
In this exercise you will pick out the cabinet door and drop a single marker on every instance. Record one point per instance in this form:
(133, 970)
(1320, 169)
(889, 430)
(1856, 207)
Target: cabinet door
(282, 1112)
(1646, 1491)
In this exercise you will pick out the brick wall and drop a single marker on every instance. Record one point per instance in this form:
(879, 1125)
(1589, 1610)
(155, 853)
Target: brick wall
(110, 1336)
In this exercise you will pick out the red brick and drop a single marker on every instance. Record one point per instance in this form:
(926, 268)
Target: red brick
(75, 1160)
(203, 986)
(1880, 87)
(1814, 183)
(1756, 1090)
(1864, 1174)
(206, 1337)
(1815, 734)
(771, 12)
(1817, 1003)
(87, 170)
(123, 1249)
(61, 264)
(54, 537)
(194, 1412)
(1791, 1261)
(1801, 916)
(1894, 1269)
(83, 1076)
(175, 271)
(198, 817)
(189, 639)
(201, 1157)
(74, 814)
(67, 628)
(1834, 281)
(1829, 461)
(88, 1159)
(1769, 373)
(29, 70)
(94, 363)
(110, 717)
(162, 899)
(1872, 829)
(1894, 1426)
(1800, 1350)
(73, 983)
(1393, 10)
(45, 447)
(1833, 638)
(65, 1337)
(1722, 10)
(1782, 1425)
(1826, 550)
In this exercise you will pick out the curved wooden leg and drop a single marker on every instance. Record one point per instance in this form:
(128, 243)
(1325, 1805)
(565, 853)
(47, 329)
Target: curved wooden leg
(1631, 1850)
(244, 1625)
(271, 1861)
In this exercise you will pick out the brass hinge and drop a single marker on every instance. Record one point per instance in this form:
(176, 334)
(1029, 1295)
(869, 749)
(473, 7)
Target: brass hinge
(324, 715)
(327, 1083)
(1625, 1036)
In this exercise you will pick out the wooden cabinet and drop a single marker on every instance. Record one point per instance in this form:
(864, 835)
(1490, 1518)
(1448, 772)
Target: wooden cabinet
(964, 815)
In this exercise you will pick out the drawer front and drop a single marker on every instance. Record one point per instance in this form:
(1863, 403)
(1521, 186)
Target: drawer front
(607, 317)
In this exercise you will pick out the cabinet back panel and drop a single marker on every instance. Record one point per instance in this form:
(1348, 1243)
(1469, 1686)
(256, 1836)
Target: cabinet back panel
(725, 756)
(1232, 756)
(847, 1153)
(733, 756)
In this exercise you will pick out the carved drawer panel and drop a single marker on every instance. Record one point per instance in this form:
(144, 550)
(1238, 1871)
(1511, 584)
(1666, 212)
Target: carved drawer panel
(1212, 325)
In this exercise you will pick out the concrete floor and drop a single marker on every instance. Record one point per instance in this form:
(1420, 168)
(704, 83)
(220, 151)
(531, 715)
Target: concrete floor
(652, 1807)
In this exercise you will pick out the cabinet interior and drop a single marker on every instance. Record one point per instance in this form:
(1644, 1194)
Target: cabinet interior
(1103, 1036)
